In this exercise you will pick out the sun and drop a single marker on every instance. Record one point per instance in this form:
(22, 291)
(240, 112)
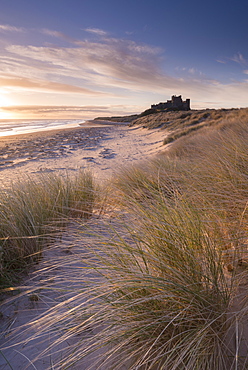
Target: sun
(5, 115)
(5, 102)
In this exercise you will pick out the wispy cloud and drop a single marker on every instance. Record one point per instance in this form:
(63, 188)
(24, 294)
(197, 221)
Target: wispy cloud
(57, 108)
(239, 58)
(53, 33)
(70, 111)
(58, 34)
(92, 65)
(96, 31)
(43, 86)
(192, 71)
(108, 62)
(102, 65)
(8, 28)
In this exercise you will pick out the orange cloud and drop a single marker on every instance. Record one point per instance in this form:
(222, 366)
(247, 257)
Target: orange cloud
(76, 112)
(44, 85)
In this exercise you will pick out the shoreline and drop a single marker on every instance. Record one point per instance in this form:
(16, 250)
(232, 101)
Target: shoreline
(45, 133)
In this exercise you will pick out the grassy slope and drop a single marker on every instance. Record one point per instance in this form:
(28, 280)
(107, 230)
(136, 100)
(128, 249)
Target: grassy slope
(184, 123)
(180, 123)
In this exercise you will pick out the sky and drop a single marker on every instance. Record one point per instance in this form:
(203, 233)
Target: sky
(89, 58)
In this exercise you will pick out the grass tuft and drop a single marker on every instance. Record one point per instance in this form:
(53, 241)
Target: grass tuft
(32, 212)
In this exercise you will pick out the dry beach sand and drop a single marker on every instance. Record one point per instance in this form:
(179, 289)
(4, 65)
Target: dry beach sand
(98, 145)
(103, 147)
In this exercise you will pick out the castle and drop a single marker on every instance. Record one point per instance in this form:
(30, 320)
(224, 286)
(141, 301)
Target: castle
(176, 103)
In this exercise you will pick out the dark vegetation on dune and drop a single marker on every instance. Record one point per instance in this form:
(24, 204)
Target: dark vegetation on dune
(179, 123)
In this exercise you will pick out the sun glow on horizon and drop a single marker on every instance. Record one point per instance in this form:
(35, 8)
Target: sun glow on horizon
(5, 101)
(6, 115)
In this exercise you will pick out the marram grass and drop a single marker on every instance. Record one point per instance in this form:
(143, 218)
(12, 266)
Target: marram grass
(33, 211)
(159, 295)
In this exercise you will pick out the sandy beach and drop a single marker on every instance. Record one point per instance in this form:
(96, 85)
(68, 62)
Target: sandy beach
(104, 148)
(100, 146)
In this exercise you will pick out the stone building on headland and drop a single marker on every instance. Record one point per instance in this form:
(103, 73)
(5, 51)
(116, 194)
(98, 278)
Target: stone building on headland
(176, 103)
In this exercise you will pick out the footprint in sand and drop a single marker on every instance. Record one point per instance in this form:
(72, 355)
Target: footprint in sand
(89, 159)
(107, 153)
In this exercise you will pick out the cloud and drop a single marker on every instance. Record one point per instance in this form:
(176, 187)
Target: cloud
(57, 108)
(43, 86)
(190, 71)
(48, 32)
(220, 95)
(105, 65)
(96, 31)
(239, 58)
(63, 112)
(58, 34)
(8, 28)
(108, 62)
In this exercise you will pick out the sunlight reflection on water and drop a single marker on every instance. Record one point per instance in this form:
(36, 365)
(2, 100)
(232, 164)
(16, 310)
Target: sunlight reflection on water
(16, 127)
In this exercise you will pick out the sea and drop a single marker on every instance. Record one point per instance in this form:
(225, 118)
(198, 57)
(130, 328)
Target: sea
(18, 126)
